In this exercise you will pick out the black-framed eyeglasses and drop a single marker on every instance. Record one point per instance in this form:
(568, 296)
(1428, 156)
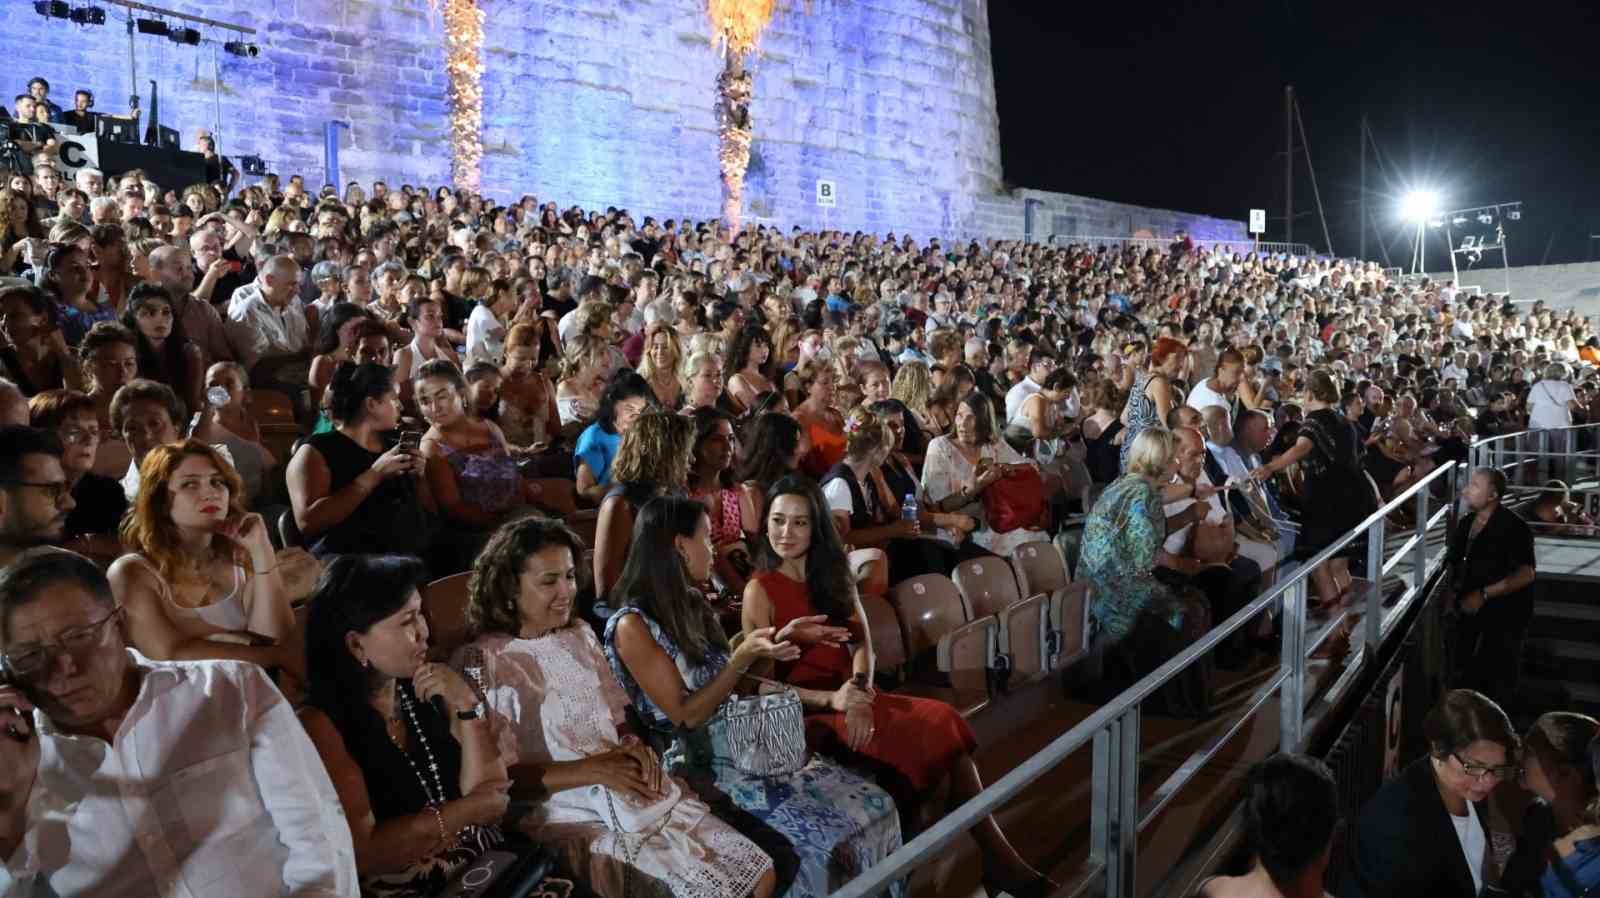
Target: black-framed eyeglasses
(1481, 771)
(29, 660)
(56, 490)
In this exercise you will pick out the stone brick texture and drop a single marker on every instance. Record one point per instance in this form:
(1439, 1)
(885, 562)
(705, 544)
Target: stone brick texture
(605, 102)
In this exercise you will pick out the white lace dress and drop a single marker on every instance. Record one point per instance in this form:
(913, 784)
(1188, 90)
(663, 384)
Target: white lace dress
(554, 698)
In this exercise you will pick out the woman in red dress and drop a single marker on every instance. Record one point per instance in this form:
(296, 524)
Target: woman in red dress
(804, 575)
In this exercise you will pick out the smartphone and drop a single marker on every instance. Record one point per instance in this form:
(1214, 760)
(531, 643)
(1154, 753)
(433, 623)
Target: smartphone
(8, 679)
(235, 267)
(411, 441)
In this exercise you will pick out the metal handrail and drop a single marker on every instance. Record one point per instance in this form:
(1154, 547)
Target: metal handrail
(1113, 728)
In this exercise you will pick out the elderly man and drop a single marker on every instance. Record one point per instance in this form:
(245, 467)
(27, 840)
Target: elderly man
(201, 322)
(270, 327)
(215, 276)
(90, 180)
(121, 776)
(1222, 462)
(104, 210)
(1229, 583)
(1491, 569)
(35, 495)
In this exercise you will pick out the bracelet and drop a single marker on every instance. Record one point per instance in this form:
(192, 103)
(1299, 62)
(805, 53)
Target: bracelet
(438, 817)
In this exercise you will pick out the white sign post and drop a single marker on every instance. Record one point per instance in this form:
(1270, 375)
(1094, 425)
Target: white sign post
(1258, 225)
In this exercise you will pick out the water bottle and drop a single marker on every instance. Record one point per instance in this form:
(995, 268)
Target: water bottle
(908, 508)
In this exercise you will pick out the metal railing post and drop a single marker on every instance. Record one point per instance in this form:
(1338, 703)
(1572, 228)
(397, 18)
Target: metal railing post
(1127, 830)
(1292, 694)
(1373, 625)
(1114, 809)
(1419, 552)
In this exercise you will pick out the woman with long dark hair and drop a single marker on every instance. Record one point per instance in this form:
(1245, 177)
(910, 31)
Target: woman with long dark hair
(165, 354)
(407, 743)
(747, 365)
(805, 573)
(601, 796)
(772, 451)
(822, 824)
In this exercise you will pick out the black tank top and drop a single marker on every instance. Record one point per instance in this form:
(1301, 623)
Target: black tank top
(390, 519)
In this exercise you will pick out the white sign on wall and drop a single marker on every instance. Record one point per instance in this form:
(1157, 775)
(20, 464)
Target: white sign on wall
(1258, 221)
(827, 194)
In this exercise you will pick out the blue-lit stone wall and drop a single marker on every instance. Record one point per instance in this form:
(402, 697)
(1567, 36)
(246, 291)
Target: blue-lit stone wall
(594, 102)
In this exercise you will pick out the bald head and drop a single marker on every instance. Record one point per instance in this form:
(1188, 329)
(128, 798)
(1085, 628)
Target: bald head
(171, 267)
(13, 405)
(1218, 426)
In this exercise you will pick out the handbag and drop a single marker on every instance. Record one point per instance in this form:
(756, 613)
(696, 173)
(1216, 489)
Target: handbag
(1212, 543)
(1015, 501)
(762, 735)
(515, 869)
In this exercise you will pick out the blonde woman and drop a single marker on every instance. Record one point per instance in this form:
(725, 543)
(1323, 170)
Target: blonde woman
(582, 378)
(659, 364)
(702, 379)
(913, 387)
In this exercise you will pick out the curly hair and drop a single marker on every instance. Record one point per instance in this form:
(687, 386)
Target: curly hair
(148, 528)
(912, 386)
(864, 433)
(495, 584)
(658, 449)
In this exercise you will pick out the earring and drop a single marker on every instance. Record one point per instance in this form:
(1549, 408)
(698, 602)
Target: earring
(366, 664)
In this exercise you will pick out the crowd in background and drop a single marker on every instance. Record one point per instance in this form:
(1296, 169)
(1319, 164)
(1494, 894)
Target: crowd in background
(1187, 422)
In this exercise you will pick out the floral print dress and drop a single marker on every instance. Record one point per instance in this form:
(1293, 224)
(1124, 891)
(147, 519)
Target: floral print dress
(822, 825)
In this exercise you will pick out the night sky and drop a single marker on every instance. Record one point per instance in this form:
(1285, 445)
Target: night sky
(1180, 106)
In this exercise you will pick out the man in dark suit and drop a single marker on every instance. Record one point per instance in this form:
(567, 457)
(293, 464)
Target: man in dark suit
(1492, 571)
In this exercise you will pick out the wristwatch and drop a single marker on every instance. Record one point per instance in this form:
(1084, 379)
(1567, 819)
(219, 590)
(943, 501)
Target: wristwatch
(472, 713)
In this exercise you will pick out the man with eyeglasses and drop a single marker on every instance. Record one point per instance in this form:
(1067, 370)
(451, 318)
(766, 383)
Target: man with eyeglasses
(35, 495)
(121, 776)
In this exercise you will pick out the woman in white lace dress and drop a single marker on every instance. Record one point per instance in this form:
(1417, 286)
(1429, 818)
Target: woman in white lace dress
(594, 791)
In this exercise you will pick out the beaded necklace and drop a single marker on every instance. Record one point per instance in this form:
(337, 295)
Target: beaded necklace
(435, 794)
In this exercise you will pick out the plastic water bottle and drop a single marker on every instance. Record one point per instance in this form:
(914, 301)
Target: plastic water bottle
(908, 508)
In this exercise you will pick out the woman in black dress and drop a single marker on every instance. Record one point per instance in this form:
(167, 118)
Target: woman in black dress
(1337, 495)
(408, 743)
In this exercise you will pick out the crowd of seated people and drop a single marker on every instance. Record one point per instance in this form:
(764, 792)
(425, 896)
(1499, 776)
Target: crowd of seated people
(651, 445)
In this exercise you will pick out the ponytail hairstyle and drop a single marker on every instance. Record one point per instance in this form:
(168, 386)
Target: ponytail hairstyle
(864, 433)
(352, 386)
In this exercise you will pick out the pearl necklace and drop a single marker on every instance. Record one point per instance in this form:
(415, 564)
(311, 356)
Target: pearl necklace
(434, 795)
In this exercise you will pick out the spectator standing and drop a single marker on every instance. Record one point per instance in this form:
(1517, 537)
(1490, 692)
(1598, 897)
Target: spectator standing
(1492, 571)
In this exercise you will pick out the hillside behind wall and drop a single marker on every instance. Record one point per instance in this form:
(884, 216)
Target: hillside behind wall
(601, 103)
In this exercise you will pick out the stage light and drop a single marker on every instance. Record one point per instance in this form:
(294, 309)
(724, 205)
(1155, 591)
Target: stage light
(1458, 220)
(1436, 223)
(240, 48)
(1419, 206)
(1514, 215)
(89, 15)
(54, 9)
(253, 165)
(1485, 218)
(152, 26)
(189, 36)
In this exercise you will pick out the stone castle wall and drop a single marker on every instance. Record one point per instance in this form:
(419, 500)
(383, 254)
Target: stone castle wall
(597, 103)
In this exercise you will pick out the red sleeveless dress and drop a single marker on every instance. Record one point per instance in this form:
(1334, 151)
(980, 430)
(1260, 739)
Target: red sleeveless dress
(918, 737)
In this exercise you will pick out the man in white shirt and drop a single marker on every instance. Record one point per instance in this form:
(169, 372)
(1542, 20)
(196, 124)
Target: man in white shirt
(1040, 364)
(1220, 388)
(121, 776)
(271, 325)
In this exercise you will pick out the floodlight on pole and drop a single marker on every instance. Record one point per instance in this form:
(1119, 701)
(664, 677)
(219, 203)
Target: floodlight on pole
(1417, 206)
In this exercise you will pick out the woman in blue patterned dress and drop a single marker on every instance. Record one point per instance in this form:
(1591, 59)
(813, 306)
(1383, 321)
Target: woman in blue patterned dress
(823, 824)
(1140, 621)
(1152, 395)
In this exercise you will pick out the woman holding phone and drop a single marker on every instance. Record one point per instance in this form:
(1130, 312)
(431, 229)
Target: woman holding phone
(351, 492)
(201, 580)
